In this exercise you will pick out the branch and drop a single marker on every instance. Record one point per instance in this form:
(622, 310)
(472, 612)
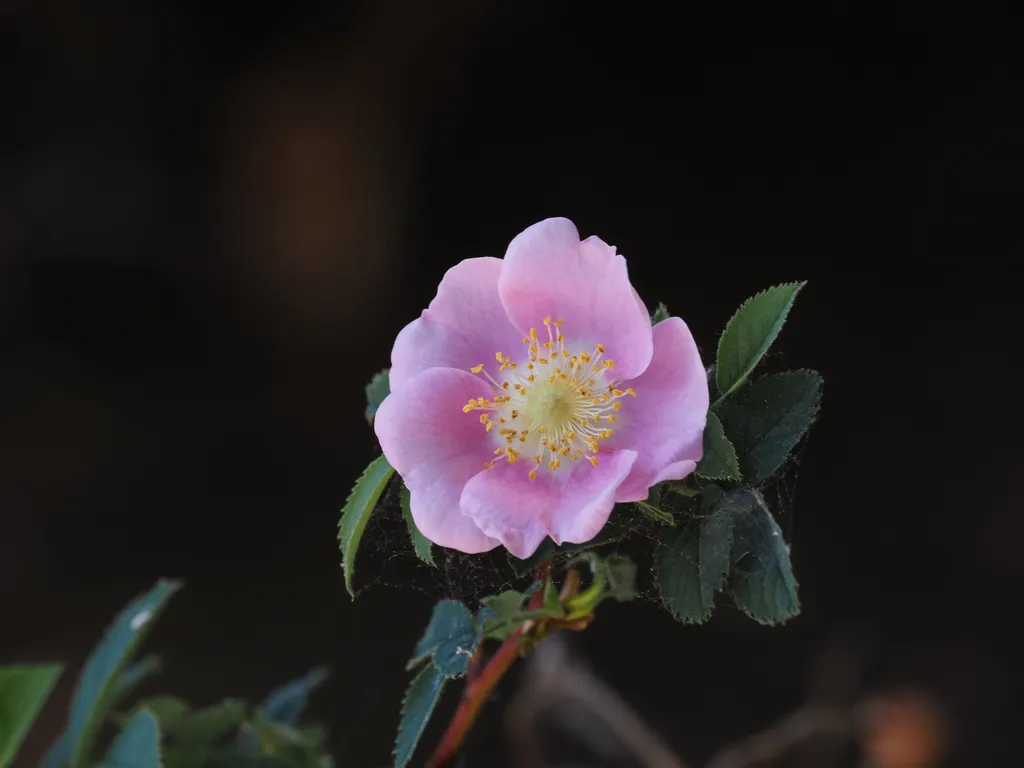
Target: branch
(553, 680)
(792, 730)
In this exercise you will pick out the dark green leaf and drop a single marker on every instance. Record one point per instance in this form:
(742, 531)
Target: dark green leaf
(654, 513)
(769, 420)
(750, 333)
(761, 580)
(420, 543)
(661, 313)
(356, 513)
(677, 573)
(378, 388)
(23, 692)
(502, 614)
(97, 684)
(138, 745)
(692, 562)
(451, 638)
(286, 704)
(417, 707)
(719, 462)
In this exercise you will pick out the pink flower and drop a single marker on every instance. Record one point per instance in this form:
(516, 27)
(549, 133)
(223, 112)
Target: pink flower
(533, 394)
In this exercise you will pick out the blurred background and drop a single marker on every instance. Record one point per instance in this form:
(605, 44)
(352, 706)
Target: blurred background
(215, 217)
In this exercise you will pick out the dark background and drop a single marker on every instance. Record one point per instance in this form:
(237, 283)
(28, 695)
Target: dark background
(214, 218)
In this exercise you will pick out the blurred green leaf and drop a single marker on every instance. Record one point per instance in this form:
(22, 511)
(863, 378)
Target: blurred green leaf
(769, 418)
(750, 333)
(98, 683)
(168, 710)
(613, 577)
(286, 704)
(132, 677)
(23, 692)
(356, 513)
(138, 745)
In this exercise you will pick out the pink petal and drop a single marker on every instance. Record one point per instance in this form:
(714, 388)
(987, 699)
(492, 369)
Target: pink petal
(569, 505)
(436, 449)
(464, 325)
(664, 424)
(549, 272)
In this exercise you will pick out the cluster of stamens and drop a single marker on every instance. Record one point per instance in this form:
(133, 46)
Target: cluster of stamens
(552, 406)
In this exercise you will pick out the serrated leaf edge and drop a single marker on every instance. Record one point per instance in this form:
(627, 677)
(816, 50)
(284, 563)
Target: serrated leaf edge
(776, 328)
(815, 410)
(428, 668)
(733, 458)
(348, 558)
(764, 620)
(670, 603)
(415, 535)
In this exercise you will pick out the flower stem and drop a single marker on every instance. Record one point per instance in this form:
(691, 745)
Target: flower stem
(482, 684)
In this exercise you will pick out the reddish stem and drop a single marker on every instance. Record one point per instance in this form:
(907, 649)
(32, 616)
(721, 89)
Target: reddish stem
(482, 684)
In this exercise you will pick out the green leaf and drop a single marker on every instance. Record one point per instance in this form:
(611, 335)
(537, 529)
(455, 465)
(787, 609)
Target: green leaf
(132, 677)
(620, 577)
(199, 733)
(98, 683)
(417, 707)
(761, 580)
(750, 333)
(450, 638)
(502, 614)
(769, 420)
(661, 313)
(23, 692)
(168, 710)
(57, 755)
(138, 745)
(691, 563)
(286, 704)
(613, 577)
(378, 388)
(205, 726)
(652, 512)
(420, 543)
(287, 746)
(719, 462)
(356, 513)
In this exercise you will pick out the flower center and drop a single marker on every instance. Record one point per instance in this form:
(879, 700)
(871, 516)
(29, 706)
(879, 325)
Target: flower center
(551, 406)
